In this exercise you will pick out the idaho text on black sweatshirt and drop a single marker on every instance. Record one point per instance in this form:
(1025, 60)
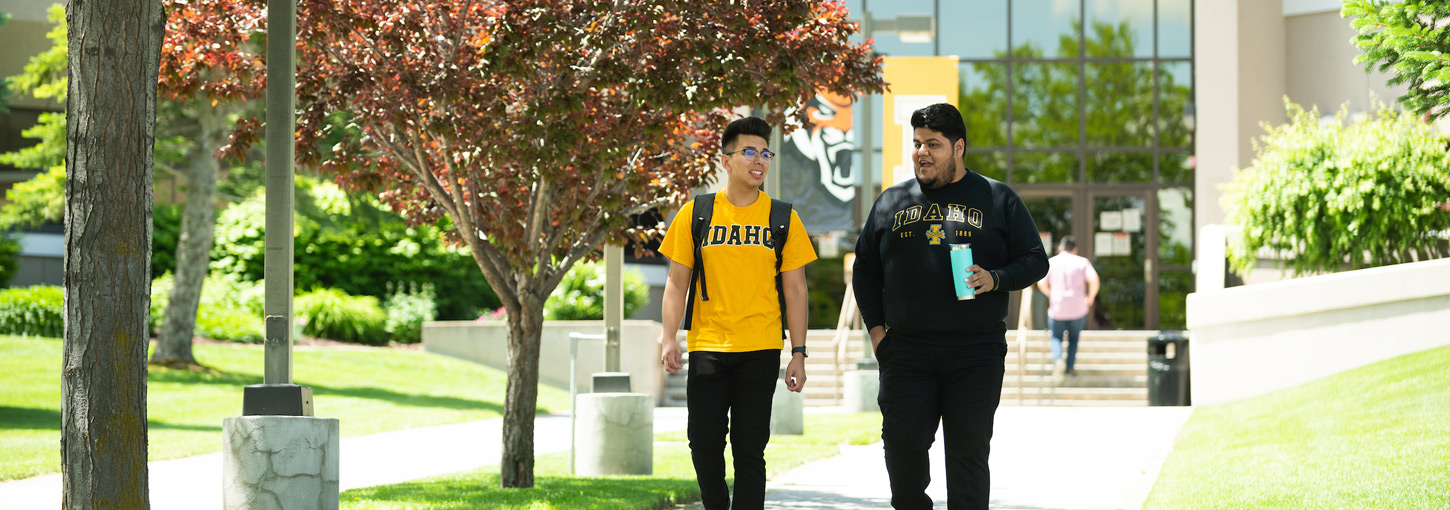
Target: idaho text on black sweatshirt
(903, 266)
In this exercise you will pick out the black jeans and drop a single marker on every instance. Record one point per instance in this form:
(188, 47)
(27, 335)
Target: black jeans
(958, 386)
(740, 385)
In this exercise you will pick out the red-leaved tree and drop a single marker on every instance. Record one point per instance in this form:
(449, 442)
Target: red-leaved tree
(536, 127)
(211, 69)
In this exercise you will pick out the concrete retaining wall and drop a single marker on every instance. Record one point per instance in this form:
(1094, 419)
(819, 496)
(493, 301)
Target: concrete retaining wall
(1251, 340)
(487, 343)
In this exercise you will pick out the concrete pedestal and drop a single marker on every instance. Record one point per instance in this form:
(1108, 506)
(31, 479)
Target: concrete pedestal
(279, 463)
(614, 434)
(860, 391)
(787, 411)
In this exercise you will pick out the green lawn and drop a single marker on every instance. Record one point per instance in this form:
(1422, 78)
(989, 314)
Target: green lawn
(1373, 437)
(369, 390)
(673, 481)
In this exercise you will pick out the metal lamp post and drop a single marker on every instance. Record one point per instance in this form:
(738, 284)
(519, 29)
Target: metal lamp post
(277, 395)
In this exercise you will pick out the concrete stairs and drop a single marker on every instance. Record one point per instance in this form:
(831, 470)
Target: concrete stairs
(1111, 367)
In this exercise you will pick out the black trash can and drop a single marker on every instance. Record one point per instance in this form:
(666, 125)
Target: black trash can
(1168, 369)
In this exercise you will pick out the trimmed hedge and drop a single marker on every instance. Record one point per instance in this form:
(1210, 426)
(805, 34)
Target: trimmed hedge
(37, 311)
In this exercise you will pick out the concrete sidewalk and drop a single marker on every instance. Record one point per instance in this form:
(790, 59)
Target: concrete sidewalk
(1043, 458)
(379, 459)
(1064, 458)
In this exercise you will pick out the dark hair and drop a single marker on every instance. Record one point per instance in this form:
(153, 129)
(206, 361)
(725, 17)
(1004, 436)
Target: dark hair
(942, 118)
(745, 126)
(1067, 243)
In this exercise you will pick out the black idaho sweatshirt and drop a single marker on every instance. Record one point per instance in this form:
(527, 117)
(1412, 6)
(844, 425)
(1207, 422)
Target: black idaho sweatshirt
(903, 267)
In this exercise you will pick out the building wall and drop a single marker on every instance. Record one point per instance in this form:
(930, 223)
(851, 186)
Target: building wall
(1321, 68)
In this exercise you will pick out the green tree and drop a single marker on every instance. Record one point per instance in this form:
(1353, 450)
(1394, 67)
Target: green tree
(42, 199)
(1411, 38)
(205, 89)
(1331, 195)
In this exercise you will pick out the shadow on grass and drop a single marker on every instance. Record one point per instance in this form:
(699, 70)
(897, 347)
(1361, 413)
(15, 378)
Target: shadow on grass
(28, 418)
(17, 418)
(481, 491)
(321, 391)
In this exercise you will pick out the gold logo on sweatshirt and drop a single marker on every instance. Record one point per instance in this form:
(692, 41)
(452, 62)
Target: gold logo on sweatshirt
(935, 234)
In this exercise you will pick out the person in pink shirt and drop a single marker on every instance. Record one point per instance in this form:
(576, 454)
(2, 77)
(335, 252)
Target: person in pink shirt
(1071, 285)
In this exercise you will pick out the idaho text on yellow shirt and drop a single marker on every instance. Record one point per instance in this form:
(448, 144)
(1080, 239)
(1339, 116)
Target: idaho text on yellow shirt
(743, 313)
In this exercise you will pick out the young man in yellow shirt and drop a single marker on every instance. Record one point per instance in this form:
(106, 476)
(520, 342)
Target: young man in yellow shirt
(735, 324)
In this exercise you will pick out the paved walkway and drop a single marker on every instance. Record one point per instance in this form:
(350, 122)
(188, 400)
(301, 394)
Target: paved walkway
(1043, 458)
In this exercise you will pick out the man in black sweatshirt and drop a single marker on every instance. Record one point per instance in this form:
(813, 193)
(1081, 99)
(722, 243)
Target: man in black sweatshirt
(942, 358)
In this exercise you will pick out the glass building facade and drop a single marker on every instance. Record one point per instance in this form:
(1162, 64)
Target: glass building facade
(1084, 108)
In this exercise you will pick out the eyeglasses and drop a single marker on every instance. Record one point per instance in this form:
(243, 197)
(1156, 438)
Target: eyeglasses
(751, 154)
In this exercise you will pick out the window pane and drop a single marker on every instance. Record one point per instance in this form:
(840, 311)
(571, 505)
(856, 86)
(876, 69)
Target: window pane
(1044, 168)
(1120, 104)
(1045, 28)
(1119, 260)
(1044, 105)
(983, 103)
(1175, 168)
(1175, 91)
(891, 44)
(990, 164)
(1175, 226)
(973, 28)
(1173, 289)
(1175, 34)
(1120, 28)
(1120, 167)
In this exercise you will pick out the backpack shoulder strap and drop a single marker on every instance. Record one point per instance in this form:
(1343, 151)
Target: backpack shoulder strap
(779, 233)
(700, 216)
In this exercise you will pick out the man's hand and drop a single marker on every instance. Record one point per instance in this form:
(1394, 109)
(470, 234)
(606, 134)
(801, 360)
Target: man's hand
(670, 353)
(980, 280)
(795, 373)
(877, 333)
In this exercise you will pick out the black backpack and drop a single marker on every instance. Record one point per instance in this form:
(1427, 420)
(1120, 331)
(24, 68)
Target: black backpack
(704, 210)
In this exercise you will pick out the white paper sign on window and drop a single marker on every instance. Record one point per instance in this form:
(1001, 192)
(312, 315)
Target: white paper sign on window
(1103, 244)
(1111, 220)
(1132, 220)
(1122, 243)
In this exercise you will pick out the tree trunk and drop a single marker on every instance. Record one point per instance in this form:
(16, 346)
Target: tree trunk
(115, 54)
(193, 248)
(516, 469)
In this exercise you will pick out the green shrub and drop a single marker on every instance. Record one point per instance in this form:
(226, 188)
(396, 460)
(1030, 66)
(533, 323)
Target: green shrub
(580, 295)
(37, 310)
(1331, 195)
(9, 261)
(407, 311)
(229, 309)
(165, 232)
(229, 324)
(337, 315)
(353, 243)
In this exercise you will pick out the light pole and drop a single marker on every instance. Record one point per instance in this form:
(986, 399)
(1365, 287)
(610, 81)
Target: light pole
(277, 395)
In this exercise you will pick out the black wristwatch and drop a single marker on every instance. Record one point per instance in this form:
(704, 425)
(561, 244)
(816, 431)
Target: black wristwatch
(801, 349)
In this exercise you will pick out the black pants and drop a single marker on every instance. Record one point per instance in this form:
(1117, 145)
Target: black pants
(958, 386)
(740, 385)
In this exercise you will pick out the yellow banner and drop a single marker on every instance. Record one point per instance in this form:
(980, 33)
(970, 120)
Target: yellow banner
(915, 82)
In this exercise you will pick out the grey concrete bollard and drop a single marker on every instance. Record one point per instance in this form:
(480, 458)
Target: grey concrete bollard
(860, 391)
(279, 462)
(787, 411)
(614, 434)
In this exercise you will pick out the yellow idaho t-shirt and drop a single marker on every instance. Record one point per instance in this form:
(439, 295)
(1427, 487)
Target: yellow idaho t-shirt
(743, 313)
